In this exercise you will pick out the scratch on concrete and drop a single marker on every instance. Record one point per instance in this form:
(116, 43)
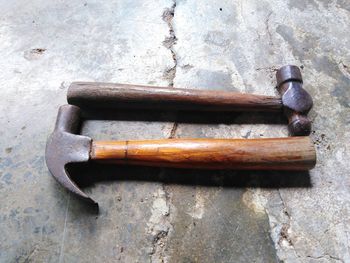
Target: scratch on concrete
(253, 200)
(267, 21)
(31, 255)
(280, 223)
(34, 54)
(285, 238)
(199, 207)
(203, 201)
(327, 257)
(159, 226)
(284, 235)
(345, 69)
(173, 131)
(64, 230)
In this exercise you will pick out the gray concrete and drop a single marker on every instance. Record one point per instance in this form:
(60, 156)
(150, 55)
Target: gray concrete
(176, 216)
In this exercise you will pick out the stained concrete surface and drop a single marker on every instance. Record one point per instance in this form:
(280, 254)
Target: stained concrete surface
(164, 215)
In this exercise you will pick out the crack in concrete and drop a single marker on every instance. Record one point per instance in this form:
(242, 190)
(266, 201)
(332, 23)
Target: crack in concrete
(159, 243)
(284, 206)
(159, 225)
(169, 42)
(161, 236)
(170, 74)
(284, 232)
(326, 256)
(285, 227)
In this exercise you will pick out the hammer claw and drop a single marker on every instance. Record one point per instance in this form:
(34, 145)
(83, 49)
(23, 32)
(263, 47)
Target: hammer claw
(64, 147)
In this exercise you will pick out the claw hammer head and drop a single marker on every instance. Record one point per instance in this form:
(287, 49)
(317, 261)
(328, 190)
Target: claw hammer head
(64, 146)
(296, 101)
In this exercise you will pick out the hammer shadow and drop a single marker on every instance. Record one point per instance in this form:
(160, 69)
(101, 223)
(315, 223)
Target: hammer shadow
(90, 174)
(194, 117)
(86, 175)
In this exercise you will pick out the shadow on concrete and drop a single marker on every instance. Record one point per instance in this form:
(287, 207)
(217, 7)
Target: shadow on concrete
(89, 174)
(193, 117)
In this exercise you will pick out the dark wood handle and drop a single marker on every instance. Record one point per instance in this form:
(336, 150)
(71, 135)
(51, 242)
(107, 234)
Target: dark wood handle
(292, 153)
(109, 95)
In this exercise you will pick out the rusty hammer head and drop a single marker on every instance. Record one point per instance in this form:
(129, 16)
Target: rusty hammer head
(64, 146)
(296, 101)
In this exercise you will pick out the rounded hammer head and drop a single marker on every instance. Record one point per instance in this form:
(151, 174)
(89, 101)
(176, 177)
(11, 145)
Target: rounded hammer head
(64, 146)
(296, 101)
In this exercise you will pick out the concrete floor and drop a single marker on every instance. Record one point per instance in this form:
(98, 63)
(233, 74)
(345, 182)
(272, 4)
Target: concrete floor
(164, 215)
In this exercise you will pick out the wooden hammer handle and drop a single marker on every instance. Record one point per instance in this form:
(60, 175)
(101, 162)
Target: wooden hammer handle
(113, 95)
(292, 153)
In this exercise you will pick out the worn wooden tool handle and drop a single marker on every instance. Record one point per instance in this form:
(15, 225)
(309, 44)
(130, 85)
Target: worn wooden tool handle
(292, 153)
(111, 95)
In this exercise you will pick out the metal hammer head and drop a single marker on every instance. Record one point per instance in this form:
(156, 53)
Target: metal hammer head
(64, 147)
(296, 101)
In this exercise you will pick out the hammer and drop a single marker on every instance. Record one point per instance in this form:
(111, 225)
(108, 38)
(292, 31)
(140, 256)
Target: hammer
(65, 146)
(295, 102)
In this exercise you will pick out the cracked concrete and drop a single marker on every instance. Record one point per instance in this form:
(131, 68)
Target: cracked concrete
(165, 215)
(169, 42)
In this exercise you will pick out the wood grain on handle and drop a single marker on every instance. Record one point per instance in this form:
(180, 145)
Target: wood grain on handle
(291, 153)
(110, 95)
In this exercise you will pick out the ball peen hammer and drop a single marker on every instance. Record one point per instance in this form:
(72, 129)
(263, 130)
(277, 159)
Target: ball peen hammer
(295, 102)
(65, 146)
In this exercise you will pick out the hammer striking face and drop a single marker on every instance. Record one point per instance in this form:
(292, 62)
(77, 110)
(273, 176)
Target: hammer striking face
(64, 147)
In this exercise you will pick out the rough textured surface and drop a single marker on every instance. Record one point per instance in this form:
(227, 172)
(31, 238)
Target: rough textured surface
(161, 215)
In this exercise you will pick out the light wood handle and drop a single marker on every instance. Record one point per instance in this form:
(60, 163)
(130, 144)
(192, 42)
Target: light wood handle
(291, 153)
